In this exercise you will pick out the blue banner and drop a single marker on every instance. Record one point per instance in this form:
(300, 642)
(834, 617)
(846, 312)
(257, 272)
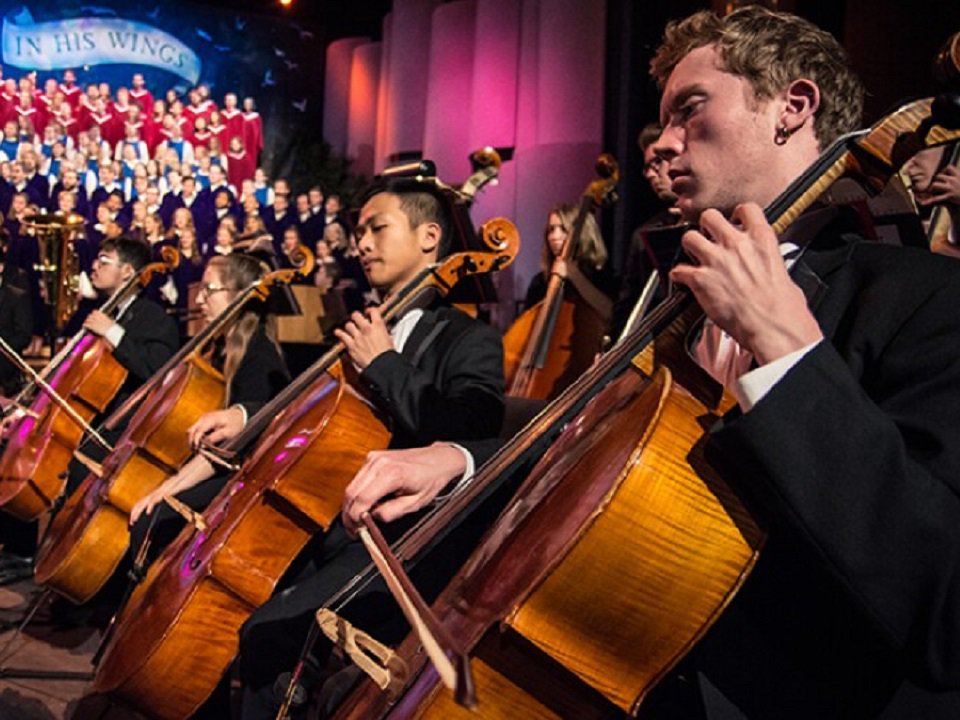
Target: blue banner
(88, 41)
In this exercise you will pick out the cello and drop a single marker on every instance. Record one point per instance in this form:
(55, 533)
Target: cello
(552, 343)
(86, 376)
(89, 536)
(625, 500)
(178, 634)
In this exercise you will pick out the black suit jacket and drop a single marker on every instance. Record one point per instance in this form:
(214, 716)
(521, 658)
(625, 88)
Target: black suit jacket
(446, 385)
(852, 461)
(150, 338)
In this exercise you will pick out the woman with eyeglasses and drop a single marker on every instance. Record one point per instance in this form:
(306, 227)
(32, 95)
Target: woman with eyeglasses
(254, 371)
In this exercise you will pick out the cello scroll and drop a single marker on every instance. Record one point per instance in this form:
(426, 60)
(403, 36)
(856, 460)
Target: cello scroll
(503, 240)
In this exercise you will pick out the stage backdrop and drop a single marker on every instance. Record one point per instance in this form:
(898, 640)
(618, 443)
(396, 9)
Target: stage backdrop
(177, 45)
(450, 77)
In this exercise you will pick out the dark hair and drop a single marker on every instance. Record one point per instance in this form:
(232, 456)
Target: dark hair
(421, 202)
(134, 252)
(770, 50)
(649, 135)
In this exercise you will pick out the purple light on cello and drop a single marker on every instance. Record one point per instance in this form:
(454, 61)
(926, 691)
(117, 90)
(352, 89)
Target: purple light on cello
(190, 562)
(294, 443)
(24, 428)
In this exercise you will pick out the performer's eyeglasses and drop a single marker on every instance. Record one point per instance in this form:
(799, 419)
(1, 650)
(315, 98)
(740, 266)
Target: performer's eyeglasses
(211, 288)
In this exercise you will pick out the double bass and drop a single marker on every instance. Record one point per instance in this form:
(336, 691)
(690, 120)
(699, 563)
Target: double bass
(624, 544)
(86, 376)
(552, 343)
(179, 632)
(89, 536)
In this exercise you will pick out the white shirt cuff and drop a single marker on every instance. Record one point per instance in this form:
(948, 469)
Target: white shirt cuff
(243, 412)
(114, 335)
(470, 469)
(750, 387)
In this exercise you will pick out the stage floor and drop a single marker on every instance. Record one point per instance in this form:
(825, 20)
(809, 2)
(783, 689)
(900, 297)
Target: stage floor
(42, 646)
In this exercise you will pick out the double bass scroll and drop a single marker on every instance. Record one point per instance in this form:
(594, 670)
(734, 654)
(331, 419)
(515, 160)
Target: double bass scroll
(552, 343)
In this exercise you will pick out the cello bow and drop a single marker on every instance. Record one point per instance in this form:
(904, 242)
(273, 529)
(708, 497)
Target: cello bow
(872, 154)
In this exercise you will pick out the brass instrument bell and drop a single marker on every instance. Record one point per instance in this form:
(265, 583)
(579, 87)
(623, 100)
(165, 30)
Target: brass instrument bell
(58, 265)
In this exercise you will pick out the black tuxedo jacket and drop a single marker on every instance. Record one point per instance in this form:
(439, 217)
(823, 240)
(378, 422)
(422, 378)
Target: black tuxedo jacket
(446, 385)
(853, 464)
(150, 338)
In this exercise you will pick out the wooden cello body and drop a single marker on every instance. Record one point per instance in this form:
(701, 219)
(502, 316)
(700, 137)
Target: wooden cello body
(88, 537)
(179, 632)
(39, 449)
(86, 377)
(576, 339)
(614, 505)
(624, 544)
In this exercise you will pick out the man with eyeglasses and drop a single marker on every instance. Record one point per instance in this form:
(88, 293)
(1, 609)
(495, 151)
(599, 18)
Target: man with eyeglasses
(141, 335)
(142, 338)
(656, 233)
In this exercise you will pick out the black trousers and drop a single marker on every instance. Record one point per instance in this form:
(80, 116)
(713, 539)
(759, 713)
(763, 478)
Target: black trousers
(168, 522)
(272, 639)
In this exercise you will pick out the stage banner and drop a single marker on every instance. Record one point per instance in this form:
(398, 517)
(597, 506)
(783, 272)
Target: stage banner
(86, 41)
